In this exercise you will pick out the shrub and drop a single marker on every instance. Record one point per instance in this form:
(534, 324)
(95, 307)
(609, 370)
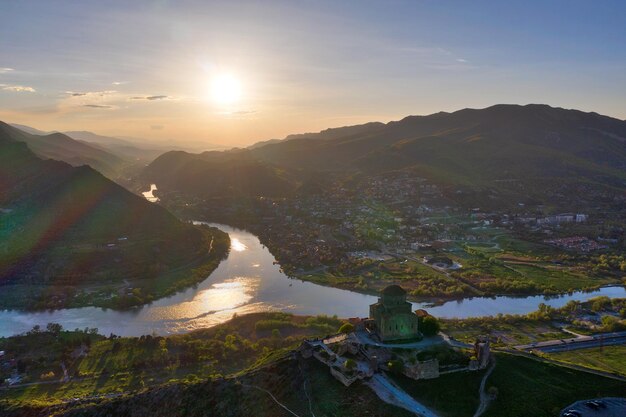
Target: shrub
(346, 328)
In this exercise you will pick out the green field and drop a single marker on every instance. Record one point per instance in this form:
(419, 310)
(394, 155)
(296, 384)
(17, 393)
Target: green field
(528, 387)
(113, 365)
(608, 358)
(525, 387)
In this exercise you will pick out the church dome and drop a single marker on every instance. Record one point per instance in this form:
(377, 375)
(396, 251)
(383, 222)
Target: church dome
(393, 290)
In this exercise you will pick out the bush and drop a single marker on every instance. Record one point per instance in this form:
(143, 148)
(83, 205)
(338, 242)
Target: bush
(428, 325)
(346, 328)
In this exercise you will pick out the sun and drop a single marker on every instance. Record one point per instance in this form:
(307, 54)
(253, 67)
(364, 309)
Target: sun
(225, 89)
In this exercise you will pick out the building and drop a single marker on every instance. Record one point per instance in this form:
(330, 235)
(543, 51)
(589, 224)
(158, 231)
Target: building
(393, 316)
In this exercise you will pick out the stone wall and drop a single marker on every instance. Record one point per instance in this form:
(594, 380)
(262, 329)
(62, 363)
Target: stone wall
(422, 370)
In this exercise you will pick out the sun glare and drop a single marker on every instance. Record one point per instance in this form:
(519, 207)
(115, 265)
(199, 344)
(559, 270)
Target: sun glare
(225, 89)
(237, 245)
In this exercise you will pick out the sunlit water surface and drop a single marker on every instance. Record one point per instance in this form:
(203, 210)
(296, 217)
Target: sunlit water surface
(249, 281)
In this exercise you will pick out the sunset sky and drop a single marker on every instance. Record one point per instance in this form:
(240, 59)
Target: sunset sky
(234, 73)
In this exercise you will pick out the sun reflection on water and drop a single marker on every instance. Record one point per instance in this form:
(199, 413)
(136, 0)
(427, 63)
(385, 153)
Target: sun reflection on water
(237, 245)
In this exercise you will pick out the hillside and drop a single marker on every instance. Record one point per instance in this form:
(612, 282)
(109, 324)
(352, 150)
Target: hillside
(479, 145)
(504, 153)
(230, 173)
(63, 148)
(64, 226)
(249, 366)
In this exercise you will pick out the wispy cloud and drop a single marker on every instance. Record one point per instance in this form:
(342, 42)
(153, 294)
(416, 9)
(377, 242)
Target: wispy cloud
(19, 88)
(157, 127)
(90, 93)
(151, 98)
(98, 106)
(5, 70)
(461, 60)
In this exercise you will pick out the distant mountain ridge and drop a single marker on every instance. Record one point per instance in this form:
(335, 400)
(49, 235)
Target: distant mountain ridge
(469, 147)
(63, 148)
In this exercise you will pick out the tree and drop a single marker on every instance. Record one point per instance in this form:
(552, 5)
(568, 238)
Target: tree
(428, 325)
(346, 328)
(54, 328)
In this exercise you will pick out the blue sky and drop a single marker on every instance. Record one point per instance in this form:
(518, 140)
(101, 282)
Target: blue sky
(144, 68)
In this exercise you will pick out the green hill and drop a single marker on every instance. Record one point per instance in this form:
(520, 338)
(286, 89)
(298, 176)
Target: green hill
(64, 227)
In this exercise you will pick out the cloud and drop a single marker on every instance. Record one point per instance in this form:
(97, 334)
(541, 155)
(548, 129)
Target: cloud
(461, 60)
(151, 98)
(98, 106)
(5, 70)
(119, 82)
(19, 89)
(90, 93)
(157, 127)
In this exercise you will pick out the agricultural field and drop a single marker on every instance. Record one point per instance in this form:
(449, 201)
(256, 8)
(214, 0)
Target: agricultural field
(608, 358)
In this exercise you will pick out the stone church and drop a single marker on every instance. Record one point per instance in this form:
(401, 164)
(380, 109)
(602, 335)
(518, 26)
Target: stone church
(393, 316)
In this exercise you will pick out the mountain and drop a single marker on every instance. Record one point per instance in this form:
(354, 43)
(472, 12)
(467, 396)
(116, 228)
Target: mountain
(131, 150)
(63, 148)
(517, 152)
(216, 173)
(478, 144)
(64, 225)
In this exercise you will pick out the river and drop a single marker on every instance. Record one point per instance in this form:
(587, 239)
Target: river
(149, 195)
(249, 281)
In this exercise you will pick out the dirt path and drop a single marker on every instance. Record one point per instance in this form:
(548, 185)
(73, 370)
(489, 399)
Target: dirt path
(484, 397)
(273, 398)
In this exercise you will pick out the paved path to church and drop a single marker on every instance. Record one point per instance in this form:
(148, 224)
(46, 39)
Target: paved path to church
(392, 394)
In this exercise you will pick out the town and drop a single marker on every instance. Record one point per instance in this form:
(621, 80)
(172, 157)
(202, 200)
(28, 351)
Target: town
(396, 226)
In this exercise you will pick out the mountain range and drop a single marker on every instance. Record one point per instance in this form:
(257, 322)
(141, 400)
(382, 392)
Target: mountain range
(61, 147)
(476, 148)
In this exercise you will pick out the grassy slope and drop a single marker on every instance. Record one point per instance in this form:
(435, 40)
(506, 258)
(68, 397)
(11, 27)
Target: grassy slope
(609, 358)
(550, 387)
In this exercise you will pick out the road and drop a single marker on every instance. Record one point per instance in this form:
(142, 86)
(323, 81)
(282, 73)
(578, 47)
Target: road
(581, 342)
(392, 394)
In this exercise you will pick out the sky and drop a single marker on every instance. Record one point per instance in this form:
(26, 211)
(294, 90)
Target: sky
(151, 69)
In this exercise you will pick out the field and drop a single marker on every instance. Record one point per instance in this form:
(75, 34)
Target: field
(516, 380)
(550, 387)
(608, 358)
(506, 333)
(102, 365)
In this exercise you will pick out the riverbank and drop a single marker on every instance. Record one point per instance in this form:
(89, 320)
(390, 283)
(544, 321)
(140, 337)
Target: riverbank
(249, 281)
(513, 268)
(87, 363)
(120, 293)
